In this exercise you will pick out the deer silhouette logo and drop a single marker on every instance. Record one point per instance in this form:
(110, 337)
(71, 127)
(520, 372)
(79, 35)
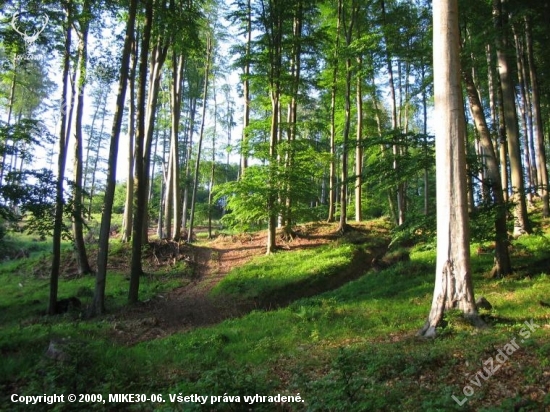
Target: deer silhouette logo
(29, 39)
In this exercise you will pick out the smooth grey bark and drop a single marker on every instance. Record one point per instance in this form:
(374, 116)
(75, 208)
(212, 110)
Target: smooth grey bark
(453, 283)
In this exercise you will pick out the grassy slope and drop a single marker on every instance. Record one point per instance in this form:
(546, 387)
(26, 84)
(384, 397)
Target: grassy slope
(350, 349)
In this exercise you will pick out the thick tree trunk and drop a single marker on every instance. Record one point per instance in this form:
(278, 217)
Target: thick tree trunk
(453, 283)
(98, 303)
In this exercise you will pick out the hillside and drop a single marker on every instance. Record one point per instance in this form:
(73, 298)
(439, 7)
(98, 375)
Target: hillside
(329, 320)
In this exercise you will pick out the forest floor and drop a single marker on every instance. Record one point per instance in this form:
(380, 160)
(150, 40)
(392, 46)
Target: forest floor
(331, 317)
(192, 306)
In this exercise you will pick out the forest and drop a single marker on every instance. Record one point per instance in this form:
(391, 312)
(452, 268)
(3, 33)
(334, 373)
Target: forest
(240, 205)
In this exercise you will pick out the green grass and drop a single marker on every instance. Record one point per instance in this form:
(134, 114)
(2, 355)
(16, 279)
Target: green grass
(275, 276)
(349, 349)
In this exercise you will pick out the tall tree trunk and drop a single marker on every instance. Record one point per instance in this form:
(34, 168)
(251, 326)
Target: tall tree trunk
(10, 111)
(92, 189)
(246, 91)
(525, 117)
(358, 146)
(62, 158)
(140, 195)
(503, 145)
(98, 303)
(201, 135)
(185, 206)
(497, 124)
(176, 115)
(348, 29)
(425, 132)
(332, 167)
(542, 168)
(172, 199)
(158, 57)
(274, 30)
(78, 224)
(129, 203)
(213, 159)
(398, 192)
(292, 114)
(502, 266)
(453, 283)
(521, 220)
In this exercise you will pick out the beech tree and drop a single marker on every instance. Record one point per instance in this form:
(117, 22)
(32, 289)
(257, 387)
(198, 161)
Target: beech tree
(453, 281)
(98, 303)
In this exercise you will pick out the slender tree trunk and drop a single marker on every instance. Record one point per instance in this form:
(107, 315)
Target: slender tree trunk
(158, 57)
(503, 146)
(347, 123)
(274, 30)
(78, 224)
(525, 117)
(332, 167)
(140, 195)
(398, 192)
(521, 220)
(425, 131)
(201, 135)
(98, 303)
(94, 168)
(10, 110)
(453, 283)
(542, 167)
(129, 203)
(185, 207)
(176, 166)
(359, 145)
(246, 91)
(502, 266)
(213, 159)
(62, 158)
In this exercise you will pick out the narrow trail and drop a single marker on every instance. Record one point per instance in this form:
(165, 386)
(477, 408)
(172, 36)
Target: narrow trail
(191, 306)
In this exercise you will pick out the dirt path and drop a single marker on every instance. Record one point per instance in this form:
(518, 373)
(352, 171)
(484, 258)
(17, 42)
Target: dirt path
(189, 307)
